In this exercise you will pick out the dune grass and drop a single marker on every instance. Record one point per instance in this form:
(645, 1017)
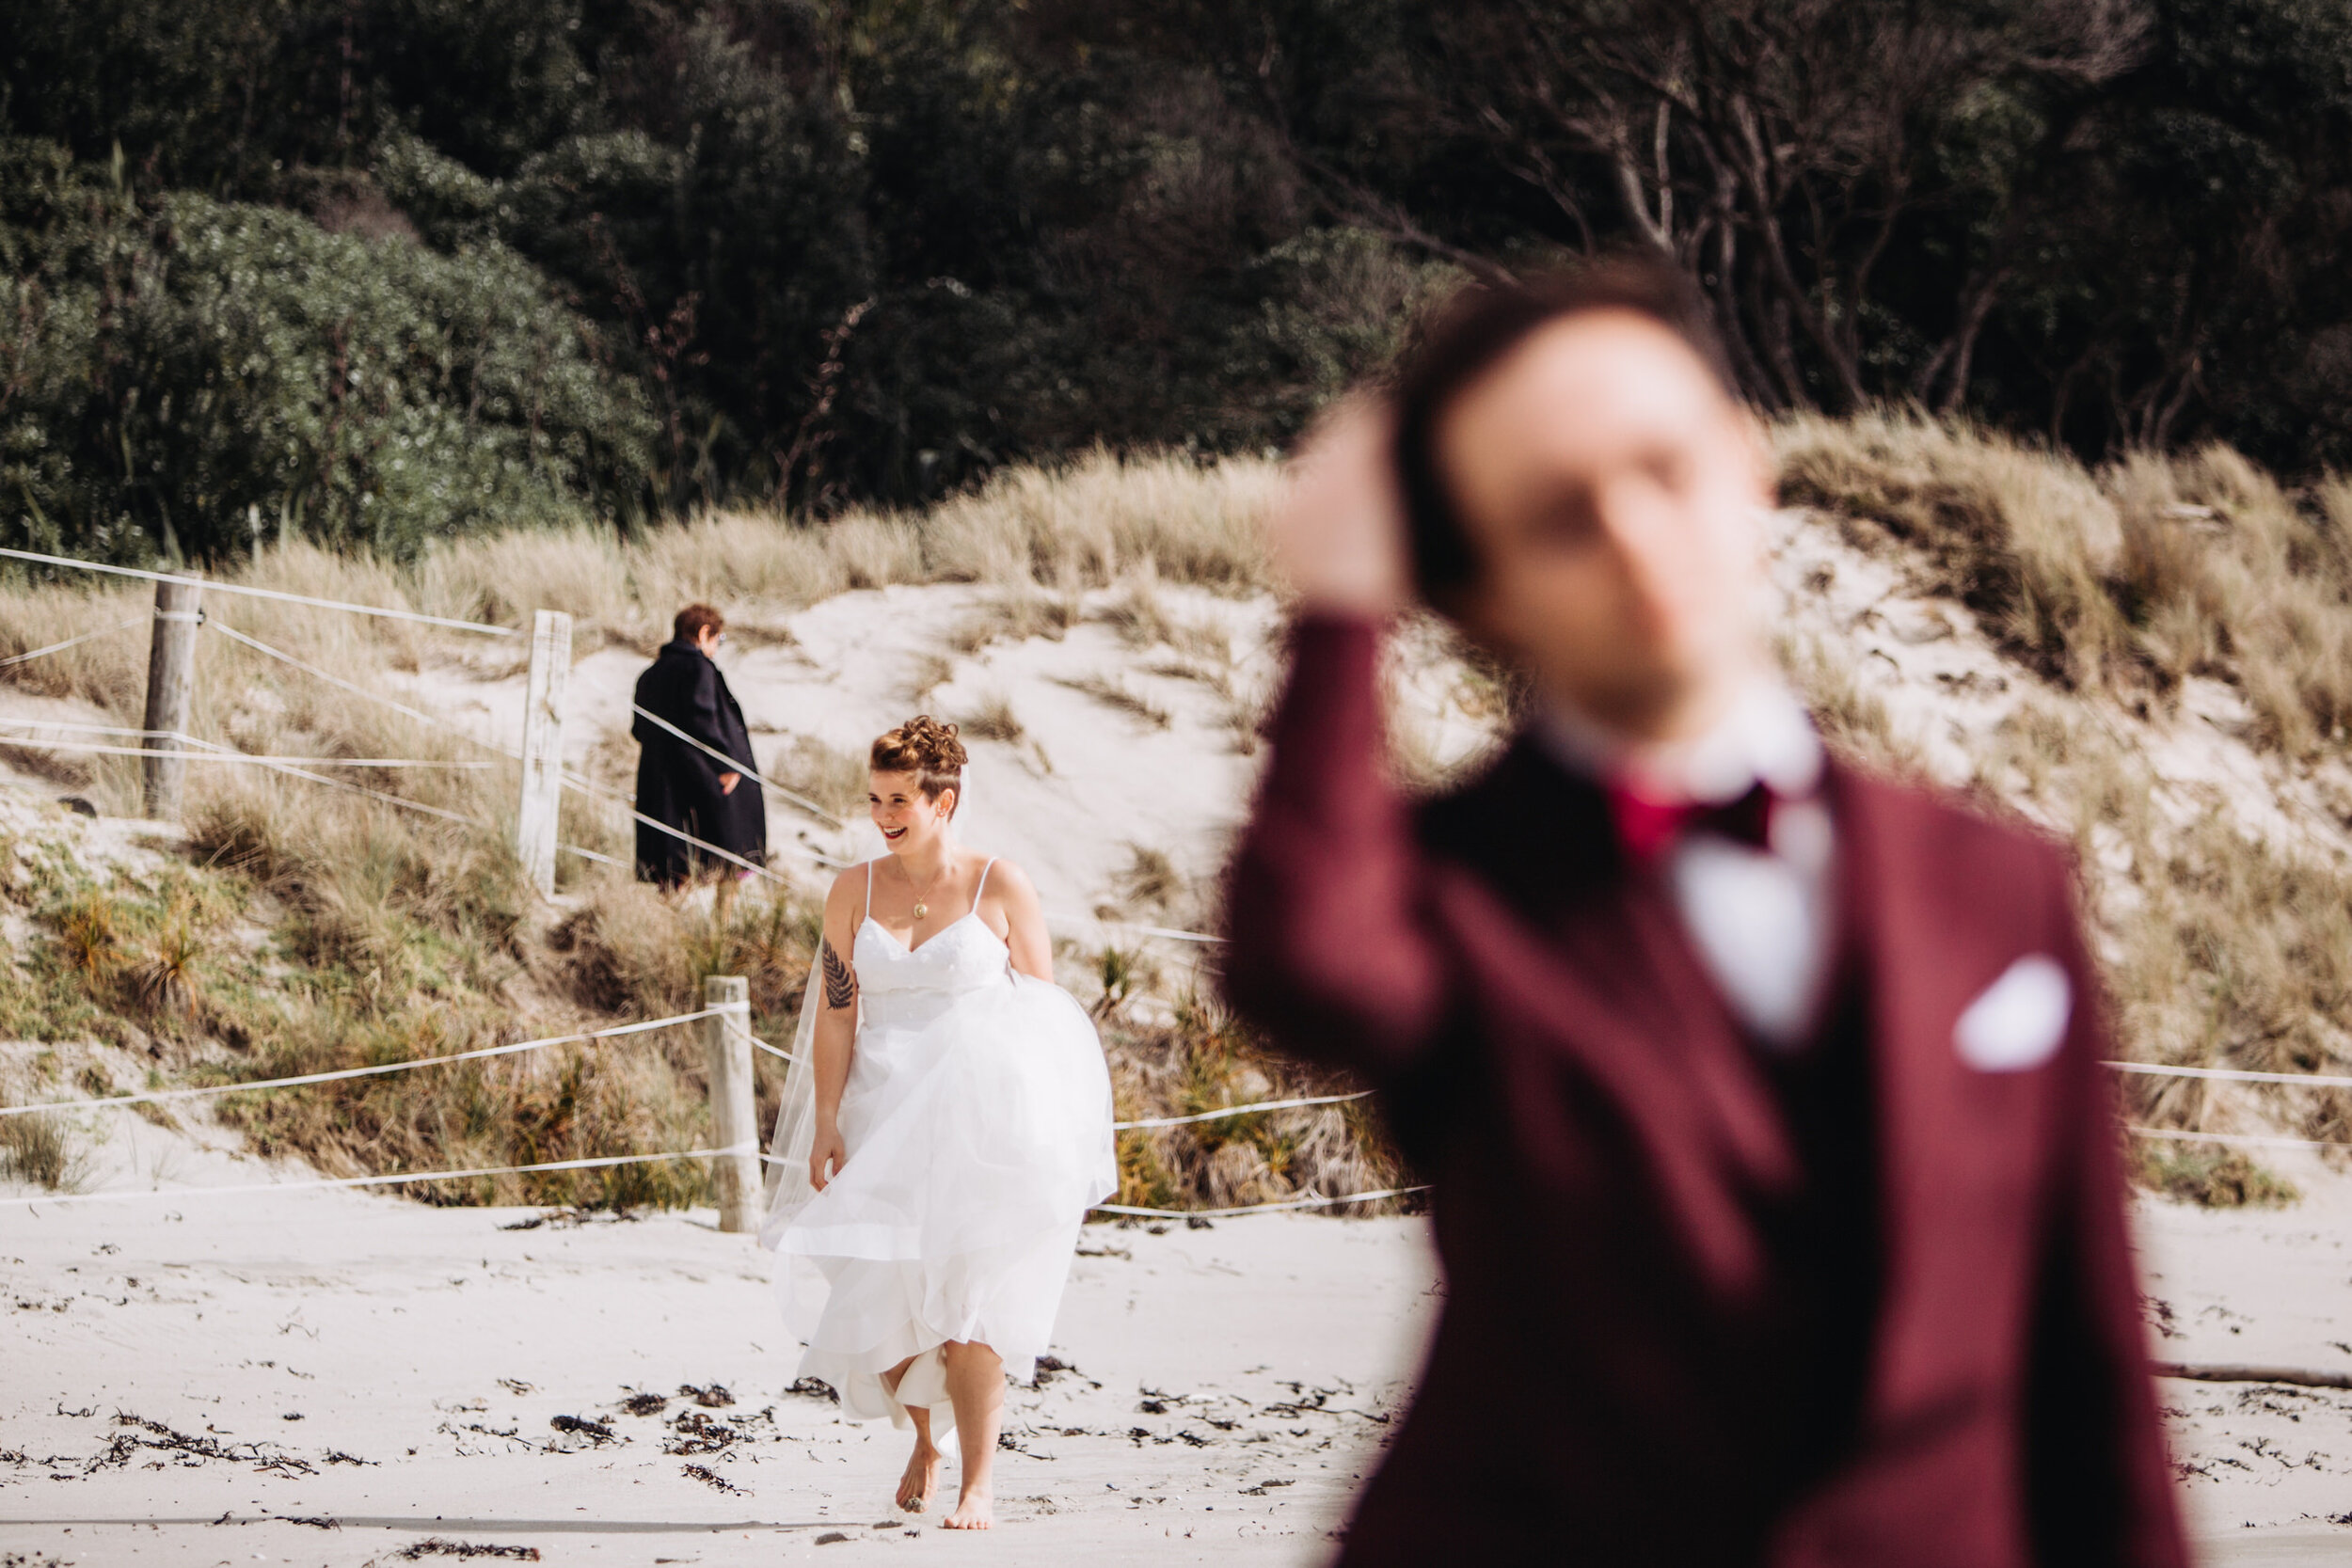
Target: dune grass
(382, 932)
(2224, 947)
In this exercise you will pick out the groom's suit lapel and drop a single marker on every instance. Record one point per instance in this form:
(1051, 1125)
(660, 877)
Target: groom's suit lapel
(1956, 1144)
(1589, 963)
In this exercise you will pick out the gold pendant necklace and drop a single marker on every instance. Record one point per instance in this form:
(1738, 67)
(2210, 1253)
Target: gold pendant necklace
(922, 905)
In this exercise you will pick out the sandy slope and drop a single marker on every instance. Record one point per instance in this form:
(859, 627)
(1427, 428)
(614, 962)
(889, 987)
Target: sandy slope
(1069, 800)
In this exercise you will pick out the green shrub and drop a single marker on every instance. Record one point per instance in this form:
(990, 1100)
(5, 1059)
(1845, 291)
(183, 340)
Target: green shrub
(185, 374)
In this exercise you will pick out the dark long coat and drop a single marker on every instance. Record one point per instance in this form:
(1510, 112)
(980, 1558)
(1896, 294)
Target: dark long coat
(678, 784)
(1870, 1305)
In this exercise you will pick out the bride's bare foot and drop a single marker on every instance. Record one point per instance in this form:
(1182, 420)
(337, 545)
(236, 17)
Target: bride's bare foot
(973, 1511)
(921, 1480)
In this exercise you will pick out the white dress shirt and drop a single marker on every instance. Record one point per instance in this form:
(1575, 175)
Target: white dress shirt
(1760, 919)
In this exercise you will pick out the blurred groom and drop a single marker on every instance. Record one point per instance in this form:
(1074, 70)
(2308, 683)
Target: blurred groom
(1773, 1170)
(694, 766)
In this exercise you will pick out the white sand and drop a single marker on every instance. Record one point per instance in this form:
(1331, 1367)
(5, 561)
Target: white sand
(437, 1347)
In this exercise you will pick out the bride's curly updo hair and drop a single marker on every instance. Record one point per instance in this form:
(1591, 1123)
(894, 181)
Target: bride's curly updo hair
(929, 750)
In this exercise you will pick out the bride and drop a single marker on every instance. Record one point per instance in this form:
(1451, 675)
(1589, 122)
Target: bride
(945, 1130)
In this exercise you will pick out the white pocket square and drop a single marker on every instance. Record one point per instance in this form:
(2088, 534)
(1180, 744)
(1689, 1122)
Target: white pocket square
(2017, 1024)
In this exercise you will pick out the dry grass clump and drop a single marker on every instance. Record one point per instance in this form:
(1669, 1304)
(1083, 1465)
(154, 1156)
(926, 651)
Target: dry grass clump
(1092, 522)
(1150, 881)
(2219, 1179)
(835, 779)
(108, 672)
(38, 1150)
(1199, 1058)
(2026, 538)
(1015, 614)
(1112, 694)
(992, 719)
(2129, 579)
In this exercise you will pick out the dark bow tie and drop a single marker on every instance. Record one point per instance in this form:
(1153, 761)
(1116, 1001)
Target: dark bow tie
(1648, 828)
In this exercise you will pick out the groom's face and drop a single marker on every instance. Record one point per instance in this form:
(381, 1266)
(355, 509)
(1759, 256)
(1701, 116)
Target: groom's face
(1609, 490)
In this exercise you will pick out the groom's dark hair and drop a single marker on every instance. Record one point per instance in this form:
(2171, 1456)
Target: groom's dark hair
(1470, 334)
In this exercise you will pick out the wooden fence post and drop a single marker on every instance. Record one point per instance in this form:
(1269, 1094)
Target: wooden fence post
(734, 1107)
(542, 804)
(170, 693)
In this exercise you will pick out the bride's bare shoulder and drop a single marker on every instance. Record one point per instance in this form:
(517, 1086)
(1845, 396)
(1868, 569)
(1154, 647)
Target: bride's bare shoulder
(1007, 880)
(849, 886)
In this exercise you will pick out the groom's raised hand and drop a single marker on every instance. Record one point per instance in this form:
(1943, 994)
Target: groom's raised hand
(1338, 534)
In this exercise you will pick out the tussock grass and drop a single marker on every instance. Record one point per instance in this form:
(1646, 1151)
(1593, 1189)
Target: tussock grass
(38, 1150)
(835, 779)
(2122, 585)
(1199, 1058)
(2026, 539)
(992, 719)
(1040, 535)
(1150, 880)
(2219, 1179)
(1113, 695)
(2121, 581)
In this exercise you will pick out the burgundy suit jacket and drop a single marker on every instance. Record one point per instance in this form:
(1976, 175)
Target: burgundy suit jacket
(1611, 1381)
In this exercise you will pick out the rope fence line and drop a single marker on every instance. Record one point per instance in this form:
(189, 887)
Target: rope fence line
(584, 786)
(359, 690)
(228, 755)
(71, 641)
(2250, 1140)
(1240, 1111)
(2235, 1075)
(389, 799)
(209, 1091)
(99, 729)
(1253, 1108)
(1171, 932)
(736, 764)
(281, 595)
(326, 1184)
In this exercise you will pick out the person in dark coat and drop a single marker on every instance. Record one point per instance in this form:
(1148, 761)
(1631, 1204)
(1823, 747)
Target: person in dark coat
(1772, 1166)
(682, 783)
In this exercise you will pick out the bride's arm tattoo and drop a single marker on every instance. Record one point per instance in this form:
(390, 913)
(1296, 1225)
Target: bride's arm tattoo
(840, 980)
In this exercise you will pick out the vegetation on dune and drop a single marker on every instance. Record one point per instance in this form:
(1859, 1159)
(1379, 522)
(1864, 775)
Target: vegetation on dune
(2120, 590)
(2118, 584)
(327, 931)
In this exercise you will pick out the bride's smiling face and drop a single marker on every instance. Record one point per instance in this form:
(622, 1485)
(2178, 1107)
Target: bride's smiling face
(909, 820)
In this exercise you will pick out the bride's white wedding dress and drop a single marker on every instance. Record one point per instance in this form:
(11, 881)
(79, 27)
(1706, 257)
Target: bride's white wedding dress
(978, 1118)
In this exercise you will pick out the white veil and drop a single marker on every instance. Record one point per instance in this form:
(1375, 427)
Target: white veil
(795, 1132)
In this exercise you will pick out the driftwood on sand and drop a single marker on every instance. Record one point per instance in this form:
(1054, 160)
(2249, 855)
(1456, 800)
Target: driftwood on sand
(2225, 1371)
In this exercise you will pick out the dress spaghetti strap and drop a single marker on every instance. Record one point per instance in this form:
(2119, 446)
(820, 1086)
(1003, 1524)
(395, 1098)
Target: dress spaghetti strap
(982, 885)
(869, 894)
